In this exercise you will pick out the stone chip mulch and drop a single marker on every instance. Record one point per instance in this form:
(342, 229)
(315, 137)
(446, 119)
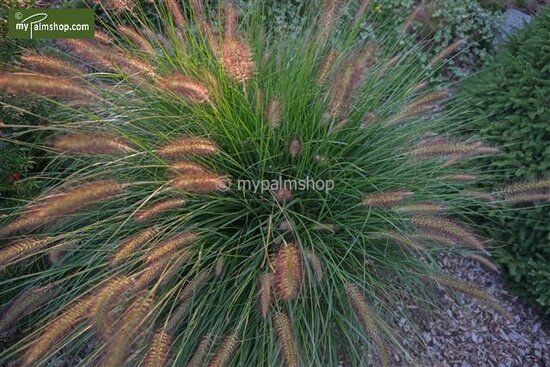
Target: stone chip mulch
(464, 332)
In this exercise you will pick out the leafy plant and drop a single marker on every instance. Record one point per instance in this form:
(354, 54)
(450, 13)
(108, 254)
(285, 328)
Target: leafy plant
(438, 24)
(235, 196)
(510, 101)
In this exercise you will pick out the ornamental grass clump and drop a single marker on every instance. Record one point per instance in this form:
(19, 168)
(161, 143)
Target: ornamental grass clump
(175, 251)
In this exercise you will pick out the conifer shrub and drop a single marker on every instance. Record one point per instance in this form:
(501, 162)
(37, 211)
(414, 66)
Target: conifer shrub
(223, 195)
(509, 99)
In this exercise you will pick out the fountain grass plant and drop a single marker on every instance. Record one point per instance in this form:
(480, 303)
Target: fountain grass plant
(157, 241)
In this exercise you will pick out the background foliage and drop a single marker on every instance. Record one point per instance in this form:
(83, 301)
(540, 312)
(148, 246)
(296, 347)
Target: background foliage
(510, 97)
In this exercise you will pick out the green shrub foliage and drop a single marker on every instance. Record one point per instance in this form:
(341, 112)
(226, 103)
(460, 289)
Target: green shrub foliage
(223, 195)
(509, 99)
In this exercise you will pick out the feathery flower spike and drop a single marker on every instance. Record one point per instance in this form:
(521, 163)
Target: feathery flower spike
(137, 39)
(236, 56)
(188, 146)
(448, 228)
(20, 249)
(286, 339)
(185, 167)
(131, 245)
(185, 86)
(128, 329)
(288, 272)
(470, 290)
(169, 246)
(197, 360)
(158, 208)
(200, 183)
(157, 354)
(57, 329)
(24, 304)
(265, 293)
(368, 321)
(105, 300)
(386, 198)
(50, 65)
(91, 143)
(225, 351)
(316, 265)
(43, 85)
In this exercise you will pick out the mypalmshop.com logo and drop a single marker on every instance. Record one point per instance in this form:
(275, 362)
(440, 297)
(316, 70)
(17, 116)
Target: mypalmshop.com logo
(50, 23)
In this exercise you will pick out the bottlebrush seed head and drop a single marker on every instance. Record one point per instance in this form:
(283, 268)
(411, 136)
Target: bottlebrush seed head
(274, 113)
(401, 240)
(230, 19)
(236, 57)
(157, 354)
(386, 198)
(188, 146)
(103, 38)
(185, 167)
(74, 199)
(295, 148)
(200, 183)
(42, 85)
(479, 195)
(194, 285)
(472, 291)
(283, 195)
(19, 249)
(288, 272)
(460, 178)
(50, 65)
(417, 14)
(90, 51)
(368, 321)
(225, 351)
(443, 147)
(91, 143)
(523, 187)
(158, 208)
(265, 293)
(326, 66)
(58, 328)
(127, 330)
(150, 275)
(327, 20)
(448, 228)
(137, 39)
(197, 360)
(107, 298)
(187, 87)
(530, 197)
(25, 303)
(485, 262)
(286, 339)
(169, 246)
(25, 222)
(447, 51)
(315, 264)
(131, 245)
(177, 15)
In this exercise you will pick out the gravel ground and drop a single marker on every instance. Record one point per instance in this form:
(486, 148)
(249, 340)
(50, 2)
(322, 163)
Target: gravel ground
(464, 332)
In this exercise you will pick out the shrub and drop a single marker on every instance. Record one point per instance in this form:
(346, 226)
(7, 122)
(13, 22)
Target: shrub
(510, 100)
(232, 197)
(437, 24)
